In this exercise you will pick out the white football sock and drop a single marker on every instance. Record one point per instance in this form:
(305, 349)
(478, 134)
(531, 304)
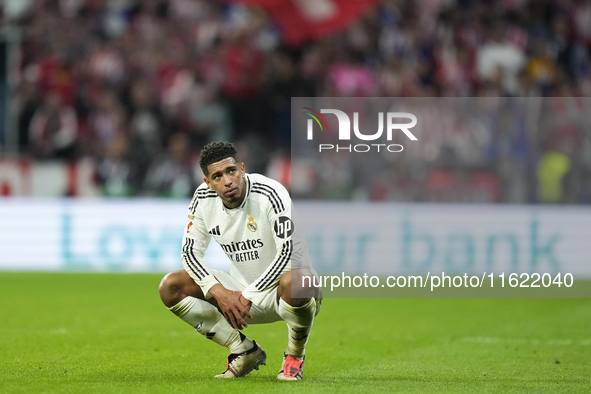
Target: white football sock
(299, 322)
(210, 323)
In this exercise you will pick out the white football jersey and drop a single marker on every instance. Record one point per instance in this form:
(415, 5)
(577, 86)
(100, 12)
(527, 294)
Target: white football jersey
(259, 237)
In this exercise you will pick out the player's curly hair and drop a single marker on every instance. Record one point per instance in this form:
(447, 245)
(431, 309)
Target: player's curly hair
(216, 151)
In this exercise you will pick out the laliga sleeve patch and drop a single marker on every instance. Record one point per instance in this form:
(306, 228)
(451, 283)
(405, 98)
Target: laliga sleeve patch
(283, 227)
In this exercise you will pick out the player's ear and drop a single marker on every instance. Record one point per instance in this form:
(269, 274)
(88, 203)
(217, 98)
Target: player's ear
(207, 182)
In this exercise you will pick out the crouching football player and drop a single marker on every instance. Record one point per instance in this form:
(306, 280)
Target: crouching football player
(250, 216)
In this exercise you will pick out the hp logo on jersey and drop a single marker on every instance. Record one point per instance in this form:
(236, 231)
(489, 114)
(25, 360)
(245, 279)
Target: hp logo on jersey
(283, 227)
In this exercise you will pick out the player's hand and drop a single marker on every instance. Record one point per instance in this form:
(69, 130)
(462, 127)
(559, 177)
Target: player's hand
(229, 302)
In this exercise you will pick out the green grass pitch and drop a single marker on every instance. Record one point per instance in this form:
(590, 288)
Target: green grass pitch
(109, 333)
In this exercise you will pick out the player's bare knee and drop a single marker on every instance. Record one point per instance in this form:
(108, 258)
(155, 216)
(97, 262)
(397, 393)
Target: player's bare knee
(292, 291)
(168, 289)
(285, 280)
(177, 285)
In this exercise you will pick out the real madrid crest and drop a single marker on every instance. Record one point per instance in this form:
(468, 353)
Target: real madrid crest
(251, 225)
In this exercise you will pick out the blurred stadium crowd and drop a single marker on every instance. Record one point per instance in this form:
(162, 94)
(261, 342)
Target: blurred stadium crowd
(140, 86)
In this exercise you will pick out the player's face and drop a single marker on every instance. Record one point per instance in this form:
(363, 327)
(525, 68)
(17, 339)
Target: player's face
(226, 177)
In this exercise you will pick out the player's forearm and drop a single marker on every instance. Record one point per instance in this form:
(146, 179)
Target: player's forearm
(218, 291)
(192, 256)
(205, 282)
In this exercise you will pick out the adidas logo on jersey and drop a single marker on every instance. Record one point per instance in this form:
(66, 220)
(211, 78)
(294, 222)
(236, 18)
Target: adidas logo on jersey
(215, 231)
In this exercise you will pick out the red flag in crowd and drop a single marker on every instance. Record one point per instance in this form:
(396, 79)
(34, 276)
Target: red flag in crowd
(303, 20)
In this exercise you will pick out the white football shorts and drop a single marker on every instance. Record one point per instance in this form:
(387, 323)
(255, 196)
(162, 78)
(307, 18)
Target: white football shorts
(267, 311)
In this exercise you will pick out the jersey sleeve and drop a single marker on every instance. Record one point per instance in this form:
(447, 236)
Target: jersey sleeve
(279, 216)
(195, 242)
